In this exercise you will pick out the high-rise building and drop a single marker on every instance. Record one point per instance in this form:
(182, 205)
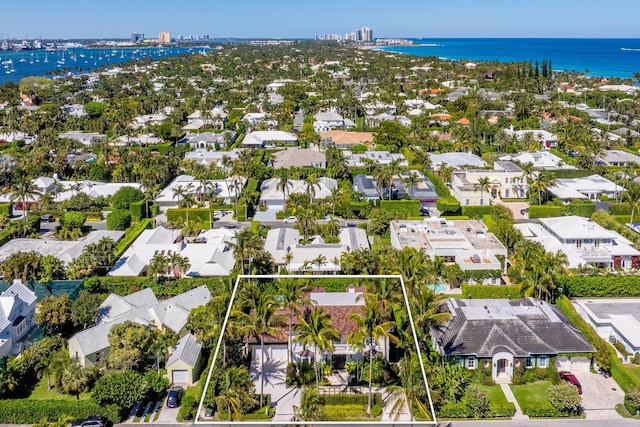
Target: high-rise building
(164, 37)
(367, 34)
(137, 37)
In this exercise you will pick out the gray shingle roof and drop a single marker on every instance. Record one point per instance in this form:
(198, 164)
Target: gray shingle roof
(187, 350)
(523, 327)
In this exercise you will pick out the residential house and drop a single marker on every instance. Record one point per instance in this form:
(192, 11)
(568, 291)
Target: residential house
(283, 241)
(299, 157)
(467, 243)
(590, 187)
(614, 319)
(376, 158)
(17, 316)
(64, 190)
(423, 190)
(227, 189)
(326, 121)
(346, 140)
(618, 158)
(141, 122)
(207, 157)
(209, 255)
(541, 160)
(272, 197)
(456, 160)
(504, 334)
(366, 185)
(338, 305)
(583, 241)
(374, 121)
(85, 138)
(64, 250)
(210, 140)
(74, 110)
(506, 180)
(215, 118)
(185, 363)
(269, 139)
(91, 345)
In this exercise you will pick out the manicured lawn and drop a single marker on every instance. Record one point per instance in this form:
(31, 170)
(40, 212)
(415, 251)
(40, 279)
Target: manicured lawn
(495, 394)
(633, 370)
(41, 393)
(532, 393)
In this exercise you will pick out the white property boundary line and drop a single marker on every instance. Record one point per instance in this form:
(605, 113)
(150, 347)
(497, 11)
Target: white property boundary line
(323, 276)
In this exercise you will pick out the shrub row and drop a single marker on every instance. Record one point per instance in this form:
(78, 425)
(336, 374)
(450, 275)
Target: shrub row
(542, 411)
(460, 410)
(138, 210)
(578, 208)
(620, 209)
(401, 208)
(490, 291)
(29, 411)
(131, 234)
(448, 204)
(351, 399)
(197, 214)
(439, 185)
(118, 220)
(7, 233)
(599, 286)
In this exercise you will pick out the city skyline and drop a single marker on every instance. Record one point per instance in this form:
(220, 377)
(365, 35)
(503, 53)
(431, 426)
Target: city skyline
(287, 19)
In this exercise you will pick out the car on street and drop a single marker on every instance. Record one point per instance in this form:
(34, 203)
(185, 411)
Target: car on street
(174, 397)
(424, 211)
(571, 379)
(47, 218)
(524, 211)
(92, 422)
(290, 220)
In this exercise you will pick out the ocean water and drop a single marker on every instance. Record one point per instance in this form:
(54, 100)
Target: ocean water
(38, 62)
(602, 57)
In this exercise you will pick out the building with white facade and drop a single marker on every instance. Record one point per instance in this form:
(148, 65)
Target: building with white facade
(273, 197)
(226, 189)
(583, 241)
(590, 187)
(467, 243)
(17, 316)
(615, 320)
(506, 180)
(269, 139)
(541, 160)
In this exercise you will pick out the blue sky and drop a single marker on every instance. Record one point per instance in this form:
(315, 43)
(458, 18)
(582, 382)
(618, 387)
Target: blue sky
(304, 18)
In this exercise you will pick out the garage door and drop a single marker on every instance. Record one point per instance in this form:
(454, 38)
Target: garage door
(180, 377)
(563, 363)
(580, 363)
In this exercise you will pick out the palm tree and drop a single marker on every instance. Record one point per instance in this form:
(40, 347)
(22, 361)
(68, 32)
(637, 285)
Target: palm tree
(315, 330)
(284, 183)
(371, 327)
(292, 294)
(245, 247)
(427, 312)
(313, 182)
(483, 185)
(158, 266)
(23, 190)
(161, 345)
(74, 379)
(261, 322)
(411, 389)
(411, 180)
(542, 182)
(320, 260)
(310, 408)
(234, 391)
(44, 367)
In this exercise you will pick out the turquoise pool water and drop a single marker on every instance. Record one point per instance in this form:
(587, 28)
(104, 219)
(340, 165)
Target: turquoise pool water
(439, 287)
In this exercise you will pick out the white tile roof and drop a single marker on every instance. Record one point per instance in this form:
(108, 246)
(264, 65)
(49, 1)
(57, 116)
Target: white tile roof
(187, 349)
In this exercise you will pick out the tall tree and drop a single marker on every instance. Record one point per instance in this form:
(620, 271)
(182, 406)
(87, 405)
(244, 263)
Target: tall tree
(483, 184)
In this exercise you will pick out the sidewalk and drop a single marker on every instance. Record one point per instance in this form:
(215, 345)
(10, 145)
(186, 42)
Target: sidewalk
(511, 398)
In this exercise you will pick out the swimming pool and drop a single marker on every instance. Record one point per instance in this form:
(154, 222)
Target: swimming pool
(439, 287)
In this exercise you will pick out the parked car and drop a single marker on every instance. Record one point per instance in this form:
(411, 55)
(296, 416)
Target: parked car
(92, 422)
(47, 218)
(175, 396)
(524, 211)
(571, 379)
(291, 219)
(424, 211)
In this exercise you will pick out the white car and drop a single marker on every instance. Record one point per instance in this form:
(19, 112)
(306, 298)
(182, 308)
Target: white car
(291, 219)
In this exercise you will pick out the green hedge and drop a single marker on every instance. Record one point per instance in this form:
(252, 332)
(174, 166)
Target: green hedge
(460, 410)
(599, 286)
(131, 234)
(620, 209)
(350, 399)
(118, 220)
(609, 222)
(197, 214)
(448, 204)
(138, 210)
(154, 209)
(477, 211)
(576, 207)
(542, 411)
(439, 185)
(401, 208)
(490, 291)
(29, 411)
(623, 219)
(6, 209)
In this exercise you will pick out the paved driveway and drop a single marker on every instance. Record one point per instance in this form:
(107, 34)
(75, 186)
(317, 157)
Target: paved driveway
(167, 415)
(515, 207)
(600, 395)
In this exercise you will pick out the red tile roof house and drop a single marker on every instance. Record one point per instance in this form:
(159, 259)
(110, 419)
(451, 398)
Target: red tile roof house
(338, 305)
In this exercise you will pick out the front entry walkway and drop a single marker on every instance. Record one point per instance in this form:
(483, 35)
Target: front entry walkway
(511, 398)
